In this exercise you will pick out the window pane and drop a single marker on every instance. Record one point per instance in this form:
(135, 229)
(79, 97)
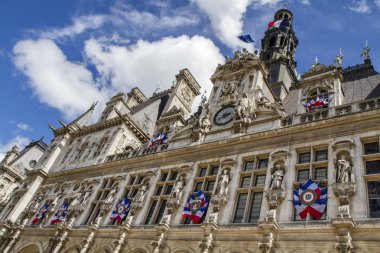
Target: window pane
(198, 186)
(210, 185)
(169, 189)
(260, 180)
(245, 182)
(240, 207)
(263, 164)
(371, 148)
(302, 175)
(320, 173)
(160, 212)
(248, 165)
(159, 190)
(255, 207)
(151, 210)
(173, 176)
(374, 199)
(373, 167)
(164, 176)
(214, 170)
(304, 158)
(131, 181)
(140, 180)
(202, 172)
(321, 155)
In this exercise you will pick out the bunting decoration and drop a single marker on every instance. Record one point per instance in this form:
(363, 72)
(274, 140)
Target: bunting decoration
(61, 213)
(40, 214)
(310, 198)
(196, 206)
(159, 139)
(317, 103)
(121, 210)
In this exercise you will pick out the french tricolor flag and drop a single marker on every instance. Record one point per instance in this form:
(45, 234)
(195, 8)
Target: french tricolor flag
(282, 24)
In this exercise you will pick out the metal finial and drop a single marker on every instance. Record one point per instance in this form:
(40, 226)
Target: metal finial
(340, 52)
(365, 52)
(316, 60)
(366, 43)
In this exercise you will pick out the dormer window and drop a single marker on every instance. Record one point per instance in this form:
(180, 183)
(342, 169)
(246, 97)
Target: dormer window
(318, 99)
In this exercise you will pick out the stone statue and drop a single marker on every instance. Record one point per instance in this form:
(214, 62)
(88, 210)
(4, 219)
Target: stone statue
(339, 60)
(223, 182)
(365, 52)
(141, 193)
(177, 191)
(245, 108)
(78, 197)
(204, 119)
(344, 170)
(111, 194)
(36, 202)
(229, 90)
(277, 177)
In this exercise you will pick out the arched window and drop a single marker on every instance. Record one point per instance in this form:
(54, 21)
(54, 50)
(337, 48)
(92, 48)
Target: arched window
(81, 151)
(318, 98)
(100, 146)
(128, 148)
(272, 41)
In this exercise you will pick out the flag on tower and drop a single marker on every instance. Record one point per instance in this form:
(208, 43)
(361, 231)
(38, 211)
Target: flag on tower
(310, 198)
(282, 24)
(41, 213)
(196, 206)
(246, 38)
(61, 213)
(121, 210)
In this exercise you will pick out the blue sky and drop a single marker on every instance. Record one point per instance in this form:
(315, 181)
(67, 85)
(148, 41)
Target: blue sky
(58, 57)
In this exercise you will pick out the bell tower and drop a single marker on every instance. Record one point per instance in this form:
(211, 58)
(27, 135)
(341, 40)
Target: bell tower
(278, 49)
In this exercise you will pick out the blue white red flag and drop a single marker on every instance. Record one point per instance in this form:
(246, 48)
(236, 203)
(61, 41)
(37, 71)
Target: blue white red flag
(41, 213)
(61, 213)
(246, 38)
(196, 206)
(161, 138)
(310, 198)
(282, 24)
(317, 103)
(121, 210)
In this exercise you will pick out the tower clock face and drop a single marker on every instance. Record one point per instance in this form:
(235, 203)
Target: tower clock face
(224, 115)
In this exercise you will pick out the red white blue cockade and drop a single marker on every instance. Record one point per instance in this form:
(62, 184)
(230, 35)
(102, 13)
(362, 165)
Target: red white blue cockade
(311, 199)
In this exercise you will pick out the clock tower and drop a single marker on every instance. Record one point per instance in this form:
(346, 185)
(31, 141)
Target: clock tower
(278, 48)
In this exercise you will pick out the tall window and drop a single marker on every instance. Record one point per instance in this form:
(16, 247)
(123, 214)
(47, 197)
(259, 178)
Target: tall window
(102, 193)
(371, 161)
(250, 191)
(312, 164)
(158, 201)
(205, 181)
(374, 198)
(81, 151)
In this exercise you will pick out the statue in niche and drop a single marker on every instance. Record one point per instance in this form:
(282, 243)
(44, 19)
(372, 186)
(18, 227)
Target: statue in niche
(36, 202)
(111, 194)
(141, 192)
(204, 119)
(223, 183)
(177, 191)
(344, 170)
(277, 177)
(81, 196)
(245, 108)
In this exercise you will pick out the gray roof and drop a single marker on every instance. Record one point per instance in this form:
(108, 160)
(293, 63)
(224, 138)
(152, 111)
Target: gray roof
(354, 90)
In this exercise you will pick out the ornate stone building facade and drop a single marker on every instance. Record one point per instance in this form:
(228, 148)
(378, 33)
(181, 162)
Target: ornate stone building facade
(262, 133)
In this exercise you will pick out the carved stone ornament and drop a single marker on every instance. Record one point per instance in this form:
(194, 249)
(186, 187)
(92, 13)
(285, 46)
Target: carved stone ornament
(229, 94)
(246, 109)
(344, 191)
(327, 84)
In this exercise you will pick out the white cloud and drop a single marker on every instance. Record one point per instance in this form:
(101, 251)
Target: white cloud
(24, 127)
(146, 21)
(226, 18)
(145, 64)
(78, 26)
(56, 81)
(377, 2)
(305, 2)
(360, 6)
(20, 141)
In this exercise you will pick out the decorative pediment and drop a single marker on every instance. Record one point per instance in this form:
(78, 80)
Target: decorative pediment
(326, 84)
(236, 65)
(343, 143)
